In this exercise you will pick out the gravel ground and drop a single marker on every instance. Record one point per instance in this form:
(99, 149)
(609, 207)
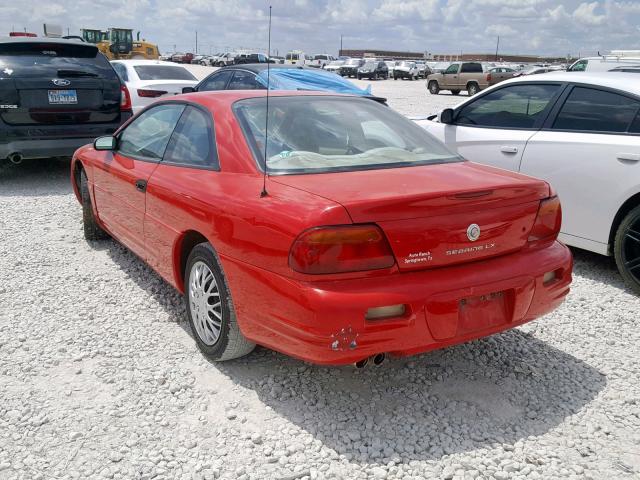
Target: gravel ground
(100, 378)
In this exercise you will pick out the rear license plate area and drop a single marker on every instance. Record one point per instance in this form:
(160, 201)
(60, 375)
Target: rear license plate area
(63, 97)
(484, 311)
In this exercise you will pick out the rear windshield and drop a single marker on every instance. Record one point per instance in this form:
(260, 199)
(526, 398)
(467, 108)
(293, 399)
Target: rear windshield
(308, 134)
(20, 60)
(163, 72)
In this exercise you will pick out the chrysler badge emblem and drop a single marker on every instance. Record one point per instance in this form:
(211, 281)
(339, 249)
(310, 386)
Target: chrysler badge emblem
(473, 232)
(60, 82)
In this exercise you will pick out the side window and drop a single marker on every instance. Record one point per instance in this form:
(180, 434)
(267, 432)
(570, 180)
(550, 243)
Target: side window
(244, 81)
(192, 141)
(516, 106)
(147, 136)
(471, 68)
(217, 81)
(596, 110)
(121, 70)
(451, 69)
(579, 66)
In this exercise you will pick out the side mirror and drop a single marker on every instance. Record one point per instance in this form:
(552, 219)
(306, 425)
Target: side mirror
(446, 116)
(188, 89)
(107, 142)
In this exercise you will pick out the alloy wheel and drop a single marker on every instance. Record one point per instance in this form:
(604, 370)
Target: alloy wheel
(631, 250)
(205, 303)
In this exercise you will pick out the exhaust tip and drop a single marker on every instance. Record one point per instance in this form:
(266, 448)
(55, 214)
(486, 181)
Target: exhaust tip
(362, 363)
(15, 158)
(378, 359)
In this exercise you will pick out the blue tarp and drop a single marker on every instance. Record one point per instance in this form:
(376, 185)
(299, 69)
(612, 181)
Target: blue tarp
(314, 80)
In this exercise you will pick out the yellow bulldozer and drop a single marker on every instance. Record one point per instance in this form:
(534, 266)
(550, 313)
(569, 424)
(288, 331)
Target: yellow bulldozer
(118, 44)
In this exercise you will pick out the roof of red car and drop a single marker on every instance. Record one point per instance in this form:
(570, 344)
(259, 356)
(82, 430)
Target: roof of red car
(228, 97)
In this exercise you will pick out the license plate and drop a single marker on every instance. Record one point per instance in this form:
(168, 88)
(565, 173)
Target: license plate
(484, 311)
(63, 97)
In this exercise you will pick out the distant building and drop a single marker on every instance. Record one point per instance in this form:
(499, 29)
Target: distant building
(450, 57)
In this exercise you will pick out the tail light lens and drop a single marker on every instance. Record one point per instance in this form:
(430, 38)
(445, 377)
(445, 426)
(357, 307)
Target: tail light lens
(349, 248)
(125, 99)
(548, 222)
(150, 93)
(488, 77)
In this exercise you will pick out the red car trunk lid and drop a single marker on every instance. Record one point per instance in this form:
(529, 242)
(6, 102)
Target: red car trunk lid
(436, 215)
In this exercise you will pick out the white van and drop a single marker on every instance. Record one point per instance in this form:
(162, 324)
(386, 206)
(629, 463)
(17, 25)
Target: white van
(297, 57)
(604, 63)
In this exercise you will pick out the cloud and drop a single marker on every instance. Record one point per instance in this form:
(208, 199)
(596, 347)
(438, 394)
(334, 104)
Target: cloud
(502, 30)
(585, 14)
(439, 26)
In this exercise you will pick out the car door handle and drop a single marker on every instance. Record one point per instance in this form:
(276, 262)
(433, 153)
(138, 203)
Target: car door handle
(141, 185)
(628, 157)
(508, 149)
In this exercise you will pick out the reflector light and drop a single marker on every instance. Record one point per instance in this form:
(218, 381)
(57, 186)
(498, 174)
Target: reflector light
(377, 313)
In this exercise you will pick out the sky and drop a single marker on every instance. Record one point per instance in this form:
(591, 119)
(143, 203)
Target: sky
(540, 27)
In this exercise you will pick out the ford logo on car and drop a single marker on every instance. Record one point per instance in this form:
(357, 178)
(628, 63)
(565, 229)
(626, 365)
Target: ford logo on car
(61, 82)
(473, 232)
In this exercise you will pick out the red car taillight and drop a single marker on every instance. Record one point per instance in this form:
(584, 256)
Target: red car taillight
(125, 99)
(548, 222)
(488, 77)
(349, 248)
(150, 93)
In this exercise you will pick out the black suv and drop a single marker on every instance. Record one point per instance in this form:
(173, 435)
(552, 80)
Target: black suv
(373, 69)
(55, 96)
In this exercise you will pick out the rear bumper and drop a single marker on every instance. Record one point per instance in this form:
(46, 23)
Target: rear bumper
(318, 321)
(43, 141)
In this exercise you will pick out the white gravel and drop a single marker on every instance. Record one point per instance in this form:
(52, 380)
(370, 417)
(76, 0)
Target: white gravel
(99, 376)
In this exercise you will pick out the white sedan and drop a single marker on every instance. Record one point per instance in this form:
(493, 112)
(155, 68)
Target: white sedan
(150, 80)
(578, 131)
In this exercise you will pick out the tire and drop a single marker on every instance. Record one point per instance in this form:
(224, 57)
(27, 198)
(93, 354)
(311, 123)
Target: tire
(395, 77)
(358, 77)
(455, 92)
(472, 89)
(92, 231)
(434, 88)
(204, 283)
(626, 249)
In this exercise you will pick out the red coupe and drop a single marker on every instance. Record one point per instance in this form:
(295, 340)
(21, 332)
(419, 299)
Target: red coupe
(365, 237)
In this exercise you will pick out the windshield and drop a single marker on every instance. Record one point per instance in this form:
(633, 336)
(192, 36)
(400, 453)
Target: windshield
(369, 65)
(406, 64)
(163, 72)
(352, 61)
(336, 63)
(50, 60)
(309, 134)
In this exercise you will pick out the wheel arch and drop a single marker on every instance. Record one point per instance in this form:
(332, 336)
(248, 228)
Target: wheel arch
(473, 82)
(76, 172)
(186, 242)
(631, 203)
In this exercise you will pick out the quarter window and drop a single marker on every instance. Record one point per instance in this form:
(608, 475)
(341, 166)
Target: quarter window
(192, 140)
(217, 81)
(121, 70)
(471, 68)
(517, 106)
(596, 110)
(244, 81)
(147, 136)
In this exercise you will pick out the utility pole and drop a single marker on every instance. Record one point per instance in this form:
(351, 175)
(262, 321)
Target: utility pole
(497, 46)
(196, 41)
(340, 53)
